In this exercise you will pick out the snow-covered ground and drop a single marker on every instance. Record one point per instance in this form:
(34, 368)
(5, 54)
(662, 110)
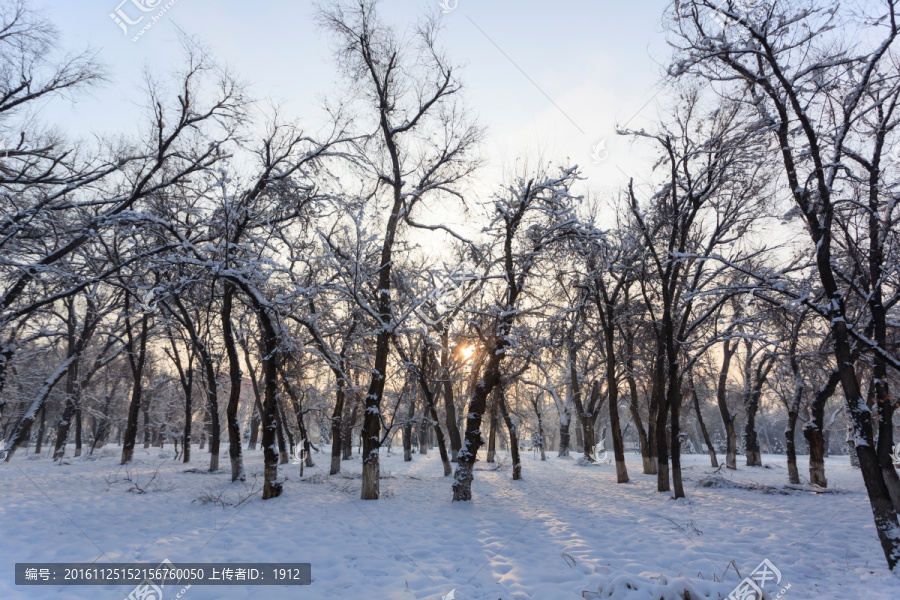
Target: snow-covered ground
(564, 531)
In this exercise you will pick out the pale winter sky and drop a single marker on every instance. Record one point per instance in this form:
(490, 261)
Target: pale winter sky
(598, 61)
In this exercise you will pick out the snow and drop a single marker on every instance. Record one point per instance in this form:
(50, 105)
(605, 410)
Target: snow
(564, 531)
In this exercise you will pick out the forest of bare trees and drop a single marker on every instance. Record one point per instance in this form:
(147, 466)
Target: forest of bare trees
(225, 279)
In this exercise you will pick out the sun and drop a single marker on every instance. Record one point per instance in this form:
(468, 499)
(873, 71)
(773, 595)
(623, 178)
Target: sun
(467, 352)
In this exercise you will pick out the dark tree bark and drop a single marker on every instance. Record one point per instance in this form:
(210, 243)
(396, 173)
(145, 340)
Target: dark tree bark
(137, 354)
(706, 439)
(751, 403)
(408, 425)
(41, 429)
(659, 411)
(813, 430)
(420, 376)
(209, 379)
(297, 405)
(647, 458)
(729, 347)
(76, 341)
(72, 393)
(536, 405)
(235, 378)
(565, 438)
(78, 425)
(492, 435)
(254, 427)
(513, 435)
(337, 427)
(585, 418)
(347, 431)
(280, 427)
(449, 402)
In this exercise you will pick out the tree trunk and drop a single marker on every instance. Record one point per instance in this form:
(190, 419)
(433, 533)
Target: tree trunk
(422, 430)
(564, 437)
(73, 399)
(188, 416)
(462, 480)
(347, 432)
(618, 443)
(813, 431)
(234, 393)
(714, 462)
(254, 430)
(408, 429)
(585, 419)
(449, 401)
(337, 428)
(41, 428)
(297, 404)
(674, 402)
(661, 411)
(728, 350)
(753, 393)
(145, 409)
(137, 370)
(648, 458)
(790, 447)
(279, 429)
(535, 403)
(78, 430)
(513, 436)
(492, 436)
(272, 486)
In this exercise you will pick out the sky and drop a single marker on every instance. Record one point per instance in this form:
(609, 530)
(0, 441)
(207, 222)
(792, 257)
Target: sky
(548, 77)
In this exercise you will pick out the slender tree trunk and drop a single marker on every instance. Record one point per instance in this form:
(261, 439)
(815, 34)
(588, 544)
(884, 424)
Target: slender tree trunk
(423, 434)
(449, 401)
(618, 443)
(651, 466)
(564, 436)
(62, 430)
(513, 436)
(661, 413)
(492, 436)
(136, 363)
(535, 403)
(674, 402)
(347, 433)
(728, 350)
(408, 428)
(70, 410)
(235, 377)
(297, 404)
(585, 418)
(254, 430)
(337, 428)
(78, 430)
(145, 409)
(430, 408)
(706, 439)
(41, 428)
(647, 444)
(280, 427)
(188, 416)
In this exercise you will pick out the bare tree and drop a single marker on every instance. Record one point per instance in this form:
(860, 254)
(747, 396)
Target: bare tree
(421, 149)
(818, 86)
